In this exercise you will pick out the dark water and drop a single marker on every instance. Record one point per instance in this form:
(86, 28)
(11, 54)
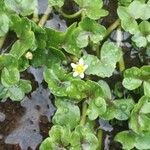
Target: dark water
(24, 125)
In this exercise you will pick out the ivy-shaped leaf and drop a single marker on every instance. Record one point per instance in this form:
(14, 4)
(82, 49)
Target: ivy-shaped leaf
(4, 24)
(103, 67)
(23, 7)
(129, 140)
(62, 84)
(89, 30)
(93, 9)
(48, 57)
(17, 91)
(135, 77)
(142, 38)
(65, 40)
(140, 119)
(67, 114)
(10, 76)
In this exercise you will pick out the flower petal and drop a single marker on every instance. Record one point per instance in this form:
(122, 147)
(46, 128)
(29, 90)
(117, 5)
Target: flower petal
(73, 65)
(82, 75)
(85, 67)
(75, 74)
(81, 61)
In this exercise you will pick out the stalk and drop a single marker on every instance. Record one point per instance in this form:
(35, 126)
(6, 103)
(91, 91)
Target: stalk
(100, 138)
(119, 43)
(75, 15)
(45, 17)
(35, 15)
(83, 117)
(112, 27)
(2, 40)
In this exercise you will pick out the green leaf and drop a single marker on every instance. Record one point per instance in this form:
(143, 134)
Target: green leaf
(25, 86)
(48, 57)
(138, 7)
(139, 40)
(126, 138)
(89, 30)
(140, 119)
(123, 108)
(96, 108)
(105, 88)
(10, 76)
(22, 46)
(93, 9)
(142, 141)
(110, 55)
(127, 22)
(58, 3)
(23, 7)
(65, 40)
(62, 84)
(67, 114)
(134, 77)
(4, 24)
(3, 91)
(8, 60)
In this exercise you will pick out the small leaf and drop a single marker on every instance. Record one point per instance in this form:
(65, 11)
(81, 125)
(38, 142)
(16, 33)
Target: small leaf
(96, 108)
(4, 24)
(126, 138)
(23, 7)
(110, 55)
(10, 76)
(67, 114)
(140, 119)
(93, 9)
(123, 108)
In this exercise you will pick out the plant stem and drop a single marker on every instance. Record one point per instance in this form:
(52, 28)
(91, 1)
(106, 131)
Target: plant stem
(2, 40)
(100, 138)
(112, 27)
(35, 15)
(119, 39)
(75, 15)
(45, 17)
(83, 117)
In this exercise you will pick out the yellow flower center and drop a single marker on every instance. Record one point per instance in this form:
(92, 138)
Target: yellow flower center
(79, 69)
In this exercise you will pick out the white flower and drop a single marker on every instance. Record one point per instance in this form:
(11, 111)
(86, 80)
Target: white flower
(79, 68)
(29, 55)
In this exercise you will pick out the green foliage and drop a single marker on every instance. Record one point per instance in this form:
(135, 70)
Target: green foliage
(105, 66)
(135, 77)
(74, 62)
(89, 30)
(23, 7)
(67, 114)
(93, 9)
(4, 24)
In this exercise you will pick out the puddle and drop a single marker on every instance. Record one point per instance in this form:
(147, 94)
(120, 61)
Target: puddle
(27, 134)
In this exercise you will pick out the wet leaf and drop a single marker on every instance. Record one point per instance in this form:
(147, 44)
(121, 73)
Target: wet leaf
(89, 30)
(23, 7)
(127, 139)
(140, 119)
(10, 76)
(67, 114)
(93, 9)
(103, 67)
(4, 24)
